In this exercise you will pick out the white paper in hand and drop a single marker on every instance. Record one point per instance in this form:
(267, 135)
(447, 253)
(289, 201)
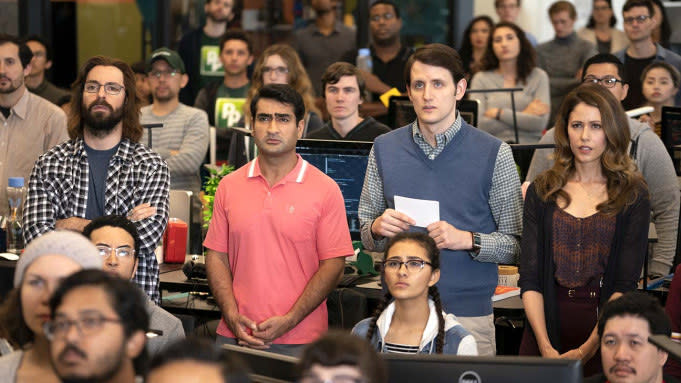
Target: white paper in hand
(423, 211)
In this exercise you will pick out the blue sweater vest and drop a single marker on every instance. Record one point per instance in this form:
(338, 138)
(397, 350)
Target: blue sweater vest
(460, 178)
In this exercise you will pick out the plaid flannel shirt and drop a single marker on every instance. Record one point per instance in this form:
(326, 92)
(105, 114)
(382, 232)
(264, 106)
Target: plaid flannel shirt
(58, 189)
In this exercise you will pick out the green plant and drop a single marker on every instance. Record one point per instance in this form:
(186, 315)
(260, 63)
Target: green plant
(211, 187)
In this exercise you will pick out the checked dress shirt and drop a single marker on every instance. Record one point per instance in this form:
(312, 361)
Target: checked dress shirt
(58, 189)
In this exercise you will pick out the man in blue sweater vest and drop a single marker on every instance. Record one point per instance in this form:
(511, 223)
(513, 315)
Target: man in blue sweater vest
(472, 174)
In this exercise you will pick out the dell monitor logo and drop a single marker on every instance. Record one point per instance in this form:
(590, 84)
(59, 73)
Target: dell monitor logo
(470, 377)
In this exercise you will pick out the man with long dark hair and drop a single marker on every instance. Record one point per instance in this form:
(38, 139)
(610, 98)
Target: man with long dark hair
(103, 169)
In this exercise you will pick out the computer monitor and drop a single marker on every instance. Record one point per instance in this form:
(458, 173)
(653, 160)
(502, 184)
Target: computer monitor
(266, 366)
(479, 369)
(671, 133)
(345, 162)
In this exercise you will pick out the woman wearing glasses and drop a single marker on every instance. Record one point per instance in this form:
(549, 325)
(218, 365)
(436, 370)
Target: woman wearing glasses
(585, 229)
(45, 262)
(410, 319)
(280, 64)
(510, 62)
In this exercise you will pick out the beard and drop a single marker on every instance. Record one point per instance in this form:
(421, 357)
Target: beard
(217, 19)
(98, 124)
(104, 372)
(13, 85)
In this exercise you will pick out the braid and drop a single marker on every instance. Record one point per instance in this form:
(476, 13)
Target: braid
(372, 325)
(440, 339)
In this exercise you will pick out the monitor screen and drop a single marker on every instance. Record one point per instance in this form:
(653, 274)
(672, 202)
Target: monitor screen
(345, 162)
(266, 366)
(671, 133)
(477, 369)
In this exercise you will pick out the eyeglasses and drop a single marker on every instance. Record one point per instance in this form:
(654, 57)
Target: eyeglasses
(335, 379)
(607, 81)
(640, 19)
(111, 88)
(163, 73)
(385, 16)
(412, 265)
(122, 252)
(86, 325)
(277, 69)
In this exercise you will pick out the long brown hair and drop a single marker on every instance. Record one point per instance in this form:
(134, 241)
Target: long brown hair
(527, 56)
(624, 183)
(297, 77)
(132, 129)
(13, 327)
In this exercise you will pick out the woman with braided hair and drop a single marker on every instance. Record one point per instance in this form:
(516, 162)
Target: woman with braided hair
(410, 319)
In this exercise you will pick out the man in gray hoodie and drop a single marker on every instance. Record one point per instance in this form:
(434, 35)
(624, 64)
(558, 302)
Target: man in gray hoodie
(650, 156)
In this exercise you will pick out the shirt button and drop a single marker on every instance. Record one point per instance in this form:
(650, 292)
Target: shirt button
(431, 156)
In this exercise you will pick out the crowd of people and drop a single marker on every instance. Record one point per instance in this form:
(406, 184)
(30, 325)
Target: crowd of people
(86, 301)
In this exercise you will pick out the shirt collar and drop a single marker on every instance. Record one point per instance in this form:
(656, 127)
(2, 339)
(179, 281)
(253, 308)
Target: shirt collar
(296, 175)
(336, 27)
(21, 107)
(447, 135)
(124, 153)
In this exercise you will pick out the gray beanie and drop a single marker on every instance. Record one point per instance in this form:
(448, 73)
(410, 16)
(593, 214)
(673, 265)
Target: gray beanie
(61, 242)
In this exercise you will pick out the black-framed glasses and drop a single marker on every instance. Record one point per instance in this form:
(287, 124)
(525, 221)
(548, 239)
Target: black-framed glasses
(86, 325)
(335, 379)
(275, 69)
(412, 265)
(606, 81)
(164, 73)
(111, 88)
(122, 252)
(640, 19)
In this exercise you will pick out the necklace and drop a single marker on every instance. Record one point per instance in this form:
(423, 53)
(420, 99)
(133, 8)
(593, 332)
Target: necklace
(590, 196)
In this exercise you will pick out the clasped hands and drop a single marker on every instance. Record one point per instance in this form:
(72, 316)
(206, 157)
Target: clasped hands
(258, 335)
(446, 236)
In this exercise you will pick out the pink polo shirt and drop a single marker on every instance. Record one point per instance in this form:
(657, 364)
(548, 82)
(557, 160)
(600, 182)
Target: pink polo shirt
(275, 237)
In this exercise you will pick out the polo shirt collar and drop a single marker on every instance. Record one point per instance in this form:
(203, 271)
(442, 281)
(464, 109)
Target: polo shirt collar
(20, 109)
(336, 27)
(296, 175)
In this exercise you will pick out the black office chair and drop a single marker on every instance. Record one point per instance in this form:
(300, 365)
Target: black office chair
(469, 110)
(400, 112)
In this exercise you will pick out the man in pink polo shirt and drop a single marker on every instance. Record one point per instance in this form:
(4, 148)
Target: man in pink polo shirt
(278, 238)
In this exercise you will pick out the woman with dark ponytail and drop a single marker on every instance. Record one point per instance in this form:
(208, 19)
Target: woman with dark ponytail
(410, 319)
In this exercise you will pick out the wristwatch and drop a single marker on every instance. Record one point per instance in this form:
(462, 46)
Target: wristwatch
(477, 242)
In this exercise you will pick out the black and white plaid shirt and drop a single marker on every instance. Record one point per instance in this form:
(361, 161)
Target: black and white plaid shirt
(58, 189)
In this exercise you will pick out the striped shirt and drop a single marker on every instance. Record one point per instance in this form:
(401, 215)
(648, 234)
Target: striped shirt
(394, 348)
(185, 130)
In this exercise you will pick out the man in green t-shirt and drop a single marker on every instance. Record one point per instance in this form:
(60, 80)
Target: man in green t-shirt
(223, 100)
(200, 48)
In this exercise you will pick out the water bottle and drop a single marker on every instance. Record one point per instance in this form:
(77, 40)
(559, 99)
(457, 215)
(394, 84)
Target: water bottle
(15, 196)
(364, 63)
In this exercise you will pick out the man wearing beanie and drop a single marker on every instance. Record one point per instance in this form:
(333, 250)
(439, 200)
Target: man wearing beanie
(45, 262)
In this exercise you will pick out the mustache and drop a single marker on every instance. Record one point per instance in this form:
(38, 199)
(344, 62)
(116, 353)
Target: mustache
(71, 347)
(622, 365)
(98, 103)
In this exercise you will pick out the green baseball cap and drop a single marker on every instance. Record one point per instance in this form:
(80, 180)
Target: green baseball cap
(170, 56)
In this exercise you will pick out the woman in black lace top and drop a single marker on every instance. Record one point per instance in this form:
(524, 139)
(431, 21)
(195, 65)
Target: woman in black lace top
(585, 229)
